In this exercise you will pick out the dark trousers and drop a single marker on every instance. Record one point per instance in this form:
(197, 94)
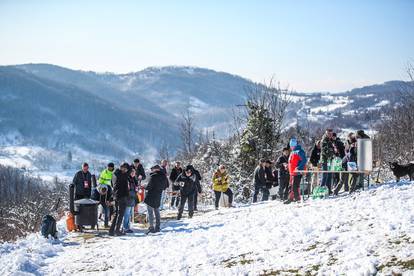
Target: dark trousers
(294, 193)
(265, 193)
(354, 180)
(228, 192)
(343, 181)
(195, 200)
(184, 199)
(284, 186)
(326, 178)
(120, 206)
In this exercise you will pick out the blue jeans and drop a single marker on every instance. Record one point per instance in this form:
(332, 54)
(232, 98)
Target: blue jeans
(326, 178)
(162, 200)
(106, 213)
(127, 217)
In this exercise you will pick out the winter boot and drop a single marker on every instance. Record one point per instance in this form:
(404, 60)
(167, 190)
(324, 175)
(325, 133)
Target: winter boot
(179, 216)
(288, 201)
(150, 230)
(157, 229)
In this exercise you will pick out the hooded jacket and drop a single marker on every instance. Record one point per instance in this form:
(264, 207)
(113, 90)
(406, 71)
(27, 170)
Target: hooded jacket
(156, 184)
(297, 160)
(188, 185)
(121, 185)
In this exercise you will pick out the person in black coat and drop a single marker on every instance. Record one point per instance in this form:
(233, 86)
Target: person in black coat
(315, 154)
(187, 181)
(139, 171)
(314, 159)
(339, 146)
(284, 177)
(157, 183)
(270, 179)
(260, 182)
(175, 172)
(198, 185)
(120, 194)
(82, 182)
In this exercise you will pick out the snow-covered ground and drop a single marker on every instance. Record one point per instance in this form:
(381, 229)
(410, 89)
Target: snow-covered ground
(363, 234)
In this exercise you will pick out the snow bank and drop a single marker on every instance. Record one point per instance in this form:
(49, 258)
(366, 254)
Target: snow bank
(362, 234)
(27, 256)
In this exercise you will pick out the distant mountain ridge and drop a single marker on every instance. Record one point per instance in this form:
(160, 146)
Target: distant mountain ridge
(122, 114)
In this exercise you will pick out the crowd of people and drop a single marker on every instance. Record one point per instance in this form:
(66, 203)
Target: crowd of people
(329, 156)
(118, 189)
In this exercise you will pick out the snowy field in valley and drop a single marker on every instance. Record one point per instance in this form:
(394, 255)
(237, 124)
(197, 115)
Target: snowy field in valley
(363, 234)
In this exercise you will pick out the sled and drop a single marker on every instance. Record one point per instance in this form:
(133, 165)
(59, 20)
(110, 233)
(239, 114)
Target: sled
(140, 214)
(273, 191)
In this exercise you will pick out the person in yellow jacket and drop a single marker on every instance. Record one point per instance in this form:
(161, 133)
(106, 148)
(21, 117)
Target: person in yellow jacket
(105, 177)
(221, 181)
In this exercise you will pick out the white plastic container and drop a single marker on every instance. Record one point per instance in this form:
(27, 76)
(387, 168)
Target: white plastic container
(364, 155)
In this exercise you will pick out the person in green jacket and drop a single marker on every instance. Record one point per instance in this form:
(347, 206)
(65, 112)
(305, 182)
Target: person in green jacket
(105, 177)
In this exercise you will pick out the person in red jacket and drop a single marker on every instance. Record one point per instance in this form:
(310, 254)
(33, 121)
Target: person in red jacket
(297, 162)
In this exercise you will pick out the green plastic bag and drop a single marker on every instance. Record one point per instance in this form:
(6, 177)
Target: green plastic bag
(320, 192)
(336, 164)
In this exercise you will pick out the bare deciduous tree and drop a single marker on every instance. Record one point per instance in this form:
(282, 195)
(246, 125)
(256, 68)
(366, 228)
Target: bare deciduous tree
(395, 134)
(187, 134)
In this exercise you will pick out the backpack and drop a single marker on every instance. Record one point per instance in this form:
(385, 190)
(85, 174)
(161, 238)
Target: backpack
(48, 226)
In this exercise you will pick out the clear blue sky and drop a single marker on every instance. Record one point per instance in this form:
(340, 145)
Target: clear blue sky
(310, 45)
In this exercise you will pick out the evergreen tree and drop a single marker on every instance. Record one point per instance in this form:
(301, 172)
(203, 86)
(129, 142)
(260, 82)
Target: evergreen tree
(257, 137)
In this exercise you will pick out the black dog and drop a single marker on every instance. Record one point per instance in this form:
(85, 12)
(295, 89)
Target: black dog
(402, 170)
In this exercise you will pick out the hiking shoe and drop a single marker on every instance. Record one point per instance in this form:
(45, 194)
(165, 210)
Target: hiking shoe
(129, 231)
(119, 233)
(150, 230)
(179, 216)
(287, 201)
(157, 229)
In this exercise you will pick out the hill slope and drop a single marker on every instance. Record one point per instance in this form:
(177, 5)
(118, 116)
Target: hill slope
(366, 233)
(59, 116)
(123, 114)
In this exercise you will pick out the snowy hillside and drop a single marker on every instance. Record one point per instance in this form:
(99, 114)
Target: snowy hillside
(363, 234)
